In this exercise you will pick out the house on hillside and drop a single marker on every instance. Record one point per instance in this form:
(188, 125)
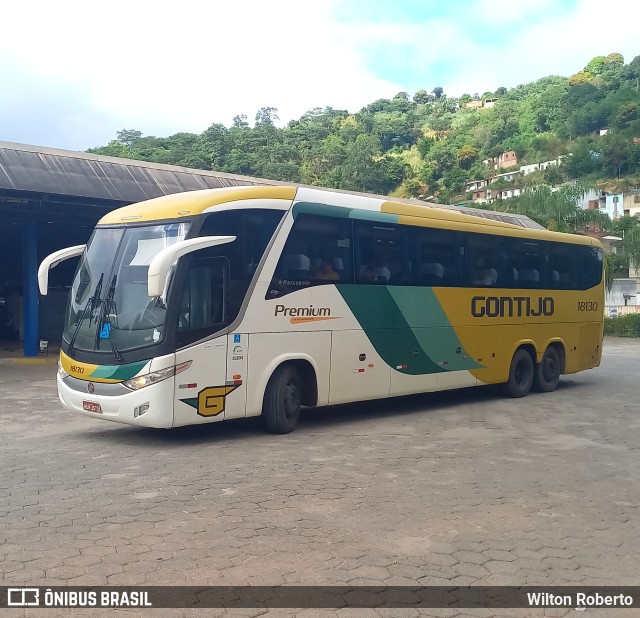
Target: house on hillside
(508, 176)
(506, 159)
(631, 203)
(484, 196)
(507, 193)
(475, 185)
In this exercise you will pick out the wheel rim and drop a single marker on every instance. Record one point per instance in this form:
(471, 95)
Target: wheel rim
(521, 374)
(291, 399)
(549, 369)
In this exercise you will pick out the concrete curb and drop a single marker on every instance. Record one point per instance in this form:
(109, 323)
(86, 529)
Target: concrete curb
(23, 360)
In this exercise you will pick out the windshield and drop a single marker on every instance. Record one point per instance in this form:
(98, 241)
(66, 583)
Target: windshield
(109, 309)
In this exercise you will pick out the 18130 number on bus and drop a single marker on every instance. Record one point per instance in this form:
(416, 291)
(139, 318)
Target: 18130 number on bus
(587, 305)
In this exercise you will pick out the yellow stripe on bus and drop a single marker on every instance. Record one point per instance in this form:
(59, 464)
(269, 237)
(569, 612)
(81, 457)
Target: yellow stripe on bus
(192, 203)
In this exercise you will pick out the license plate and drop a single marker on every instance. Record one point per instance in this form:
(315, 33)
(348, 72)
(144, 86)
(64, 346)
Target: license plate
(91, 406)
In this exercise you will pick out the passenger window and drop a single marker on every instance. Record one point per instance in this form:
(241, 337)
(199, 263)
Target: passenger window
(529, 264)
(589, 267)
(489, 264)
(382, 253)
(439, 257)
(561, 266)
(317, 252)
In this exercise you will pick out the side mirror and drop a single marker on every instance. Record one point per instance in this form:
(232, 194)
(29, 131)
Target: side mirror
(51, 261)
(160, 265)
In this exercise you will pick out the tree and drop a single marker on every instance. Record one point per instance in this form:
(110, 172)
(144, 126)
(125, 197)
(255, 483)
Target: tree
(553, 175)
(596, 66)
(616, 153)
(266, 116)
(632, 72)
(437, 91)
(466, 156)
(240, 122)
(422, 96)
(454, 179)
(582, 77)
(424, 145)
(615, 59)
(555, 210)
(627, 113)
(128, 137)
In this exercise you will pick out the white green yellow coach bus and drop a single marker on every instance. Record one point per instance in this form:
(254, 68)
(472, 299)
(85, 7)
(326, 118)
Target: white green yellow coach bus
(225, 303)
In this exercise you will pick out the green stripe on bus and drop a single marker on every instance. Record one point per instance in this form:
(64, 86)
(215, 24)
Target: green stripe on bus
(118, 372)
(310, 208)
(431, 327)
(407, 327)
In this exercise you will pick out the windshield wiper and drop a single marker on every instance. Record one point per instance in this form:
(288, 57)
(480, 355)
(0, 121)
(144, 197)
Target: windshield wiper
(104, 325)
(92, 303)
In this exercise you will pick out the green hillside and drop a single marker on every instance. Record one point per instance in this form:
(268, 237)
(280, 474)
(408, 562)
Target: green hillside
(429, 145)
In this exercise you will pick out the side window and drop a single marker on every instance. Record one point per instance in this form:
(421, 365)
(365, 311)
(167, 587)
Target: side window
(382, 253)
(562, 266)
(203, 301)
(439, 257)
(253, 229)
(317, 252)
(589, 267)
(529, 264)
(488, 262)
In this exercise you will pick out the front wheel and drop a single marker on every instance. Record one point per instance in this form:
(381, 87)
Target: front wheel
(282, 400)
(520, 375)
(547, 373)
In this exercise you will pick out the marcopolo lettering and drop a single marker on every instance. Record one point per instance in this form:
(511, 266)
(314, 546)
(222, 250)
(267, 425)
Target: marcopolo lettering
(511, 306)
(302, 312)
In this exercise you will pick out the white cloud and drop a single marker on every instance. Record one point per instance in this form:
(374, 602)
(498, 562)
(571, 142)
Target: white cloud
(499, 43)
(185, 68)
(76, 72)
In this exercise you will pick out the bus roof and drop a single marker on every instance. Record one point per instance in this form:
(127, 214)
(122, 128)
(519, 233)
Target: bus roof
(186, 204)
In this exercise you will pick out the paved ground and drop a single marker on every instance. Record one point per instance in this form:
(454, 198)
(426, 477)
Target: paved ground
(456, 488)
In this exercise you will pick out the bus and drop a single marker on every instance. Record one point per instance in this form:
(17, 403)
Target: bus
(261, 300)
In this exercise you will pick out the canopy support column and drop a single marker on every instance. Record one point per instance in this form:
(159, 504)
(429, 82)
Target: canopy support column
(30, 287)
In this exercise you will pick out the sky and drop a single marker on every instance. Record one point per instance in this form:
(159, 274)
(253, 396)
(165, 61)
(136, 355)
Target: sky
(74, 72)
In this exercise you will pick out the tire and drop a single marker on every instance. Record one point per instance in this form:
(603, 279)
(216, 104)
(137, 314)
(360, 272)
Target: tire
(547, 374)
(521, 375)
(281, 407)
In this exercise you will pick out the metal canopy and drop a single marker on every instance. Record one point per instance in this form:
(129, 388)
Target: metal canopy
(67, 173)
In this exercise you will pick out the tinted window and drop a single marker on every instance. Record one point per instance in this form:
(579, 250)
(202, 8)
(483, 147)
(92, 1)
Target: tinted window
(589, 262)
(562, 266)
(317, 252)
(205, 306)
(382, 253)
(529, 263)
(439, 257)
(488, 262)
(203, 302)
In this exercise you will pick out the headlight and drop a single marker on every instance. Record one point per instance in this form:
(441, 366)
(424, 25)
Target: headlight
(155, 376)
(62, 374)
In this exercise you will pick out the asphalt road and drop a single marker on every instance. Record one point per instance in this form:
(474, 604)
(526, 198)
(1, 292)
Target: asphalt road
(455, 488)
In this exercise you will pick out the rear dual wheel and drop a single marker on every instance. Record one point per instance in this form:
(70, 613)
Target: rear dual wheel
(525, 374)
(547, 373)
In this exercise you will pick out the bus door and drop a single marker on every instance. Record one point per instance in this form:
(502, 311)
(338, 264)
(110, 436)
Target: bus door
(201, 389)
